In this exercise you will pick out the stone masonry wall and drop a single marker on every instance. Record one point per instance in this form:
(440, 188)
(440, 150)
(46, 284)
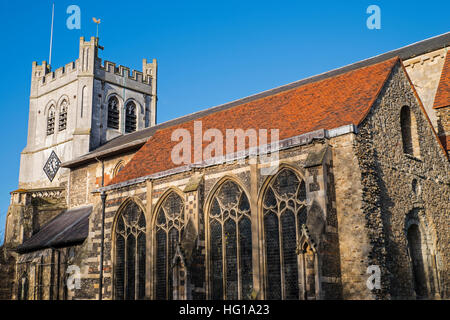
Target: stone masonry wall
(395, 184)
(84, 180)
(354, 242)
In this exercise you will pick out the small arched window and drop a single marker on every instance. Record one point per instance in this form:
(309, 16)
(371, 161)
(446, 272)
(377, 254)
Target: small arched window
(63, 116)
(230, 244)
(130, 117)
(130, 254)
(416, 248)
(51, 121)
(169, 227)
(119, 166)
(22, 292)
(113, 113)
(284, 209)
(410, 138)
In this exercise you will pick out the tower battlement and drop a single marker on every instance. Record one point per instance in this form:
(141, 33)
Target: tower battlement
(145, 76)
(88, 63)
(43, 73)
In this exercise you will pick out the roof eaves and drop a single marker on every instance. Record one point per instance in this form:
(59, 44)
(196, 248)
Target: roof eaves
(105, 153)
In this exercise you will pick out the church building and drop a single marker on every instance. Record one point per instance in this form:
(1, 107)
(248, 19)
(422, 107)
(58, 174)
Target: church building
(336, 186)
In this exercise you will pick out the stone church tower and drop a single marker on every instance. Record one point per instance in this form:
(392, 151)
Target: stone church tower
(73, 111)
(68, 114)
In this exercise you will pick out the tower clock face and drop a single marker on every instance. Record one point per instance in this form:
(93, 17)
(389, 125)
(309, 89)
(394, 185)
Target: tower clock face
(52, 166)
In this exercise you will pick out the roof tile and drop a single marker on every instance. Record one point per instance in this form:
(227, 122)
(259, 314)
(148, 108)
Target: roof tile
(442, 98)
(326, 104)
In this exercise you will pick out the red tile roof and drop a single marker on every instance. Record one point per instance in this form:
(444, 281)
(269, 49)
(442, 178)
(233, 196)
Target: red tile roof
(326, 104)
(442, 98)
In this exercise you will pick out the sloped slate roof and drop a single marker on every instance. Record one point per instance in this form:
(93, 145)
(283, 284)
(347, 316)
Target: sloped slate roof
(330, 103)
(68, 228)
(442, 98)
(135, 140)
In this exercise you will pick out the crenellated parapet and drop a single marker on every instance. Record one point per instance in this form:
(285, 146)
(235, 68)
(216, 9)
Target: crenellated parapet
(124, 72)
(42, 74)
(89, 64)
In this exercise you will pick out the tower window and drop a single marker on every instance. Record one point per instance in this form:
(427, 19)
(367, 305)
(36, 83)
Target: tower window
(113, 113)
(51, 121)
(130, 117)
(63, 116)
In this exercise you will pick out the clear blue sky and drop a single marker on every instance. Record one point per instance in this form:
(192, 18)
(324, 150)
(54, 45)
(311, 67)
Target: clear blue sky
(209, 52)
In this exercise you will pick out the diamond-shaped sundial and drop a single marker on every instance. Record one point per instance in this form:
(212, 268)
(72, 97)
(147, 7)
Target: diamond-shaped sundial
(52, 166)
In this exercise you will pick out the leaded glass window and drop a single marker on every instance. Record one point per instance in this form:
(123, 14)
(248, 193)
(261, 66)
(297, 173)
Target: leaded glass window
(169, 227)
(63, 116)
(130, 254)
(230, 244)
(51, 121)
(130, 117)
(284, 209)
(113, 113)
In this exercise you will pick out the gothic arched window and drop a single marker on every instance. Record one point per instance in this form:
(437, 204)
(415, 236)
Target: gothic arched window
(113, 113)
(130, 117)
(63, 116)
(169, 227)
(51, 121)
(409, 132)
(284, 210)
(230, 244)
(130, 253)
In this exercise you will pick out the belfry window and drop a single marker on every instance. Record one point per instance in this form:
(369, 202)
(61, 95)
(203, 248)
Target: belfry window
(284, 210)
(169, 227)
(51, 121)
(230, 244)
(63, 116)
(113, 113)
(130, 254)
(409, 132)
(130, 117)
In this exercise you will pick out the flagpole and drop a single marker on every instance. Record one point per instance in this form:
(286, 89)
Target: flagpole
(51, 35)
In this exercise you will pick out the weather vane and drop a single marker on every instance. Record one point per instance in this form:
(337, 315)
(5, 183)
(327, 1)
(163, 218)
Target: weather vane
(97, 21)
